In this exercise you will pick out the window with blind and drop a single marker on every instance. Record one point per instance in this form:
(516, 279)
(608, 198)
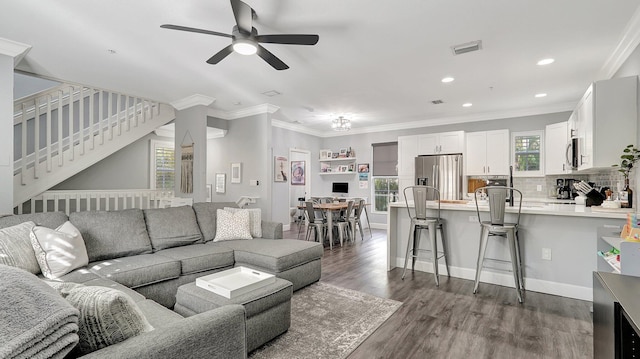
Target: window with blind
(385, 174)
(162, 165)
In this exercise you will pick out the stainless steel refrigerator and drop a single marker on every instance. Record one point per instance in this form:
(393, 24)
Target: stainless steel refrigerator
(443, 172)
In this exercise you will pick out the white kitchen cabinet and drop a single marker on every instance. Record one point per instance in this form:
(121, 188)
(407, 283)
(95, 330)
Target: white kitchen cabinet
(441, 143)
(556, 143)
(487, 153)
(407, 152)
(606, 120)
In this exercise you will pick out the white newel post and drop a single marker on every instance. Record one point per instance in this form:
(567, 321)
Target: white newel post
(191, 127)
(11, 53)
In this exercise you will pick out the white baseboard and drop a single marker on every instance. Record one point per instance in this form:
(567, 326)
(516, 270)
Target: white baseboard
(504, 279)
(379, 225)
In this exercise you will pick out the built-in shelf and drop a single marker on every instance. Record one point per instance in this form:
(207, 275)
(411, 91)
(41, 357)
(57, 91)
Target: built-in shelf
(337, 159)
(337, 173)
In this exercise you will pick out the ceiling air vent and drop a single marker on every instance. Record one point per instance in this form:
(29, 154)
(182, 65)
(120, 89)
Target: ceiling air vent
(437, 102)
(468, 47)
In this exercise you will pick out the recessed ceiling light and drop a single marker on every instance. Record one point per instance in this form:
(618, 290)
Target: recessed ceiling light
(468, 104)
(545, 62)
(447, 79)
(539, 95)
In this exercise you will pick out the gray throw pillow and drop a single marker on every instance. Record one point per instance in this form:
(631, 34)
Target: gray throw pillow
(16, 249)
(172, 227)
(107, 316)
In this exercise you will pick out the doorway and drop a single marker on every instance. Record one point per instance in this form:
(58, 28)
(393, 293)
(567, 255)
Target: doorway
(297, 191)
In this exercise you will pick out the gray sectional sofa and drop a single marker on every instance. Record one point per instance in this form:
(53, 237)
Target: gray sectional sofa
(148, 254)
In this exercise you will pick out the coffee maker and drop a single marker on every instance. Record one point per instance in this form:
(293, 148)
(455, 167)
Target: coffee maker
(565, 189)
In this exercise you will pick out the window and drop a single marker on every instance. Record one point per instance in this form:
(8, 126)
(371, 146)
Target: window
(162, 165)
(384, 188)
(527, 155)
(385, 175)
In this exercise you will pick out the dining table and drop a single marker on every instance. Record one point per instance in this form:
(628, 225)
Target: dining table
(328, 209)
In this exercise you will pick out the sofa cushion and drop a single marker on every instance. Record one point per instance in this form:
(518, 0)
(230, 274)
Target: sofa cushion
(230, 226)
(16, 249)
(200, 257)
(255, 220)
(49, 219)
(60, 250)
(104, 282)
(80, 275)
(137, 271)
(206, 216)
(274, 255)
(172, 227)
(107, 316)
(112, 234)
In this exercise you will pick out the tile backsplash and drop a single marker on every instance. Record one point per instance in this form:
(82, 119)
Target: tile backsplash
(529, 185)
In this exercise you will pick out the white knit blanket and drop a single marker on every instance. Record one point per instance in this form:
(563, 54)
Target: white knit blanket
(35, 321)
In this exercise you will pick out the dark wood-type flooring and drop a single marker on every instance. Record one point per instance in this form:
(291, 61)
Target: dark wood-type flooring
(449, 321)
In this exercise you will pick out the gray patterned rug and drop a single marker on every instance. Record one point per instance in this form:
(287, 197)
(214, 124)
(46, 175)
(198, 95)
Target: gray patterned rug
(328, 322)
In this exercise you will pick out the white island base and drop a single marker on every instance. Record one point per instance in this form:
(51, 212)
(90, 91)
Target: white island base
(568, 231)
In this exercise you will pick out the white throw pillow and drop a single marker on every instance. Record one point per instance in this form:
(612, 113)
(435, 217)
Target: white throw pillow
(232, 225)
(60, 250)
(255, 219)
(16, 249)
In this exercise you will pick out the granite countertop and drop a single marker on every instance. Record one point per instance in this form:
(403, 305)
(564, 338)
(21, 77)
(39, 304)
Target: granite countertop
(535, 206)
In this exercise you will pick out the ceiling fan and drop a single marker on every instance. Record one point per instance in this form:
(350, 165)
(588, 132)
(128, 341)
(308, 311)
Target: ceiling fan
(245, 39)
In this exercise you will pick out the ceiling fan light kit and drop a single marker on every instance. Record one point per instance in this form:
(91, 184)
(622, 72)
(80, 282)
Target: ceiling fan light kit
(341, 124)
(245, 39)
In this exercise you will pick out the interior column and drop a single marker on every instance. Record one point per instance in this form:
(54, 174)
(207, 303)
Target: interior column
(191, 127)
(11, 53)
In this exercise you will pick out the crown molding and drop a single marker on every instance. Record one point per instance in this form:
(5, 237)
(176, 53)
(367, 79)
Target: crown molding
(245, 112)
(296, 128)
(627, 44)
(477, 117)
(14, 49)
(191, 101)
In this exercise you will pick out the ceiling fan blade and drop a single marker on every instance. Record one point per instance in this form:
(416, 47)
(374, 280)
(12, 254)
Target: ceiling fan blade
(191, 29)
(242, 13)
(220, 55)
(289, 39)
(271, 59)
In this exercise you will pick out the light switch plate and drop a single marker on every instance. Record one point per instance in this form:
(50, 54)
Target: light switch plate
(546, 254)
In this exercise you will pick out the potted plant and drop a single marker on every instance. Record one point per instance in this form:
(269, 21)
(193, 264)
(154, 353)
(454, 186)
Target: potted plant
(630, 155)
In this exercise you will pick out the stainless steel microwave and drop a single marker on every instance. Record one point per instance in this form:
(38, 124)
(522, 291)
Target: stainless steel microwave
(573, 153)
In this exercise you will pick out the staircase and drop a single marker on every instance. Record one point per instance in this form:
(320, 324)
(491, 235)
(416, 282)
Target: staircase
(62, 131)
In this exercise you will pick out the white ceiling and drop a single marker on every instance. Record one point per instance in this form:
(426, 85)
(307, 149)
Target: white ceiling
(378, 63)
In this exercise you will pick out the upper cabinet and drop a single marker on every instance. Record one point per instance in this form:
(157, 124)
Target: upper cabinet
(441, 143)
(605, 121)
(556, 149)
(487, 153)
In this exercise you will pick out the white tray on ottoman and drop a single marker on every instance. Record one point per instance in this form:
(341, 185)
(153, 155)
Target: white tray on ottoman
(236, 281)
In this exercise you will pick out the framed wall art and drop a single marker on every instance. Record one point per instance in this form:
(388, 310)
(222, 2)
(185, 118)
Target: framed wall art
(298, 172)
(236, 172)
(280, 166)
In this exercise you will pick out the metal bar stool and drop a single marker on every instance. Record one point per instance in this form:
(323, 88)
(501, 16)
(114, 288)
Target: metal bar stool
(496, 227)
(419, 222)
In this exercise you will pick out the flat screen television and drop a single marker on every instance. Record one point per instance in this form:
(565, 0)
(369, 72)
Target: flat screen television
(340, 187)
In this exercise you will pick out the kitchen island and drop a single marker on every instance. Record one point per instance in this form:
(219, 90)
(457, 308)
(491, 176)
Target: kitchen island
(569, 231)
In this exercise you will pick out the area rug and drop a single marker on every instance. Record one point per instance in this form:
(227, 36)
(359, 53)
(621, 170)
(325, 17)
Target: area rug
(328, 322)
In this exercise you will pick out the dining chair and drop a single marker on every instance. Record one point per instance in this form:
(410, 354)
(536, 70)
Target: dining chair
(420, 221)
(316, 225)
(495, 226)
(343, 223)
(355, 220)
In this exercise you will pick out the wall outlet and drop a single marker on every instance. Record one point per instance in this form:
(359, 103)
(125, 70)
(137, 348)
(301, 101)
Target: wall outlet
(539, 188)
(254, 183)
(546, 254)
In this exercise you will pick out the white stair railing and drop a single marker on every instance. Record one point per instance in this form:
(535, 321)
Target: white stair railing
(92, 200)
(56, 129)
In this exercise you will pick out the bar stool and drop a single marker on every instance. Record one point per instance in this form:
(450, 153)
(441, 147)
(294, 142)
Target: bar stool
(419, 222)
(496, 227)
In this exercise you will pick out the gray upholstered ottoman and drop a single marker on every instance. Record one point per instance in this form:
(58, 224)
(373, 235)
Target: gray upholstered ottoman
(267, 309)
